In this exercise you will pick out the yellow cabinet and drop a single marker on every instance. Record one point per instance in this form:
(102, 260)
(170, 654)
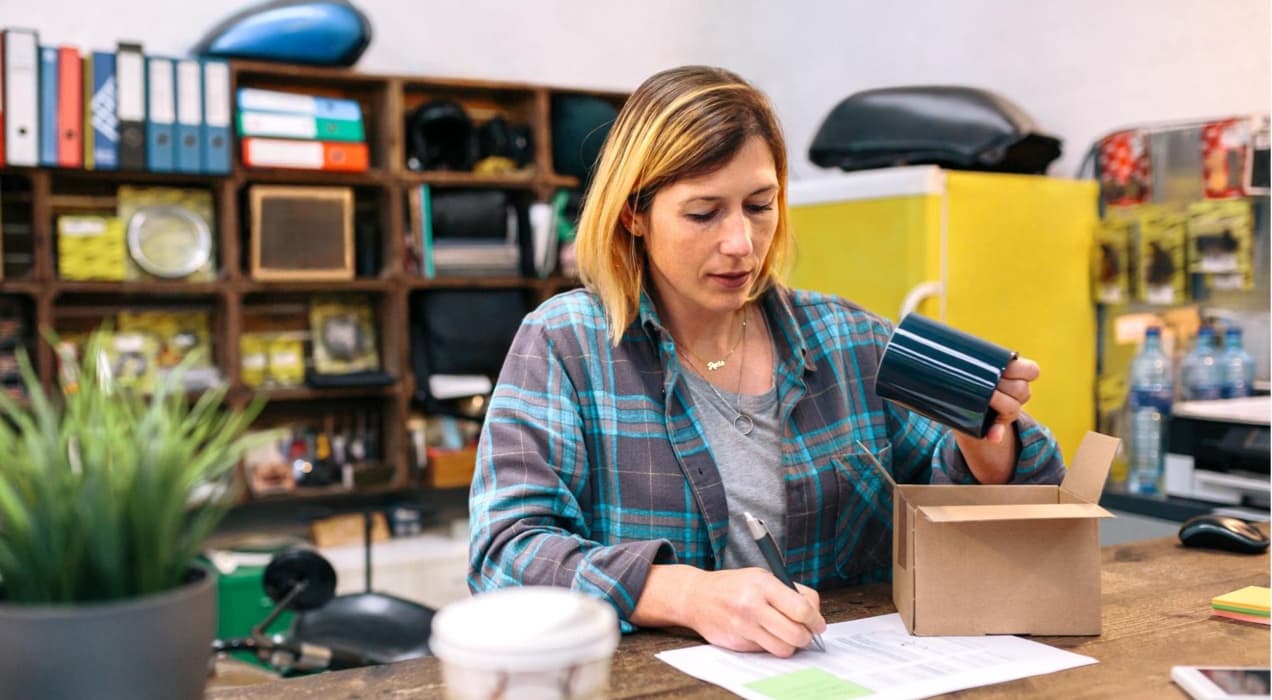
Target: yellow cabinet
(1004, 257)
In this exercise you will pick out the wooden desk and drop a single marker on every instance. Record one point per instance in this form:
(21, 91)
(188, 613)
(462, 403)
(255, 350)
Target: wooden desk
(1156, 615)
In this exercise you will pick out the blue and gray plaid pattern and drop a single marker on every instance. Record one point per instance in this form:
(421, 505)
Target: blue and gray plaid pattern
(592, 464)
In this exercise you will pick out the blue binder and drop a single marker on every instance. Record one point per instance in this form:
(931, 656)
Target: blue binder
(161, 116)
(48, 106)
(256, 99)
(102, 108)
(216, 117)
(189, 116)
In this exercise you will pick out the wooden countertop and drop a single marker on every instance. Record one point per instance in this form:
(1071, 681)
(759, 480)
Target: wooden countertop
(1156, 614)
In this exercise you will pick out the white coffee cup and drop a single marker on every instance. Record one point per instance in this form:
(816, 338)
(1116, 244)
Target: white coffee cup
(529, 643)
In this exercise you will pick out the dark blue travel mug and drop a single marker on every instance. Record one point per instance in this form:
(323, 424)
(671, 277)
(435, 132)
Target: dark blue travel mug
(942, 373)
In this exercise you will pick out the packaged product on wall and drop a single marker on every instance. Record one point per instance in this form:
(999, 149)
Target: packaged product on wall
(286, 359)
(1110, 262)
(1124, 168)
(253, 359)
(133, 360)
(91, 248)
(1161, 276)
(186, 231)
(343, 335)
(181, 336)
(1225, 149)
(1220, 243)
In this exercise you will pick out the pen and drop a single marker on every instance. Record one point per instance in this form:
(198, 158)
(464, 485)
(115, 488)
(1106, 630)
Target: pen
(775, 563)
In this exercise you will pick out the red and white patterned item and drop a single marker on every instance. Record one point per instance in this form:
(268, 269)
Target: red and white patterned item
(1224, 149)
(1124, 168)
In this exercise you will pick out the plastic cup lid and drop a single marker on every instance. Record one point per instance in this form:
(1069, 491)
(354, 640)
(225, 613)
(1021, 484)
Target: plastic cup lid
(532, 628)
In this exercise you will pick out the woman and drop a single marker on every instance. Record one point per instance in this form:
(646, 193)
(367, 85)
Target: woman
(636, 420)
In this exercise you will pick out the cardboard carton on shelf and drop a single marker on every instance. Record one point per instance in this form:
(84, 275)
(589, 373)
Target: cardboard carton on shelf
(1013, 559)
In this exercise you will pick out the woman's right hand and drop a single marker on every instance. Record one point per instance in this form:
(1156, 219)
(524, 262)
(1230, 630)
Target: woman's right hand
(737, 609)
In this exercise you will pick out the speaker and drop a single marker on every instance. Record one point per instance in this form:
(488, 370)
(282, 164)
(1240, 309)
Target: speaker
(301, 233)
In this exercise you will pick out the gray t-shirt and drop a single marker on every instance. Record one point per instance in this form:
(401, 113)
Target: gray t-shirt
(750, 465)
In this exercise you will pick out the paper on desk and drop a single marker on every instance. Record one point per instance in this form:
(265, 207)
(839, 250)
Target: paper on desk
(877, 658)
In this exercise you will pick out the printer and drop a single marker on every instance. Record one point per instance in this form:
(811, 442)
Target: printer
(1217, 451)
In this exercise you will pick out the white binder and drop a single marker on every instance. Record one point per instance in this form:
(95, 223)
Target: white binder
(21, 97)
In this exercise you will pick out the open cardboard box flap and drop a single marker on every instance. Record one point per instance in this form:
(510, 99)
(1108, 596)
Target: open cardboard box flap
(1029, 511)
(1090, 467)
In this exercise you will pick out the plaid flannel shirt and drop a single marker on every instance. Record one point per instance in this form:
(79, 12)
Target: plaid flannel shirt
(592, 464)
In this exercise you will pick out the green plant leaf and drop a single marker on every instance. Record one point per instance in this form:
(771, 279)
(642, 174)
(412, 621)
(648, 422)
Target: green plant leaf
(100, 487)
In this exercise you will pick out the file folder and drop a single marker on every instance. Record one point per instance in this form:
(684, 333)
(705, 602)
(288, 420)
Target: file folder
(298, 126)
(102, 107)
(189, 116)
(216, 117)
(258, 100)
(48, 105)
(130, 106)
(161, 116)
(70, 108)
(1, 98)
(21, 97)
(306, 155)
(86, 114)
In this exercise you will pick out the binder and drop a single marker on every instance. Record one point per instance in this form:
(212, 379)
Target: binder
(298, 126)
(258, 100)
(426, 232)
(86, 114)
(306, 155)
(216, 117)
(102, 105)
(48, 105)
(189, 116)
(130, 106)
(1, 98)
(21, 97)
(70, 108)
(161, 115)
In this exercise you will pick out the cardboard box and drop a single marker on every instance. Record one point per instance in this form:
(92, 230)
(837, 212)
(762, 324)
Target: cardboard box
(1015, 559)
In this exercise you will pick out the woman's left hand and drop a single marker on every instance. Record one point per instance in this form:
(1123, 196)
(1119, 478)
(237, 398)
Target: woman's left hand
(1011, 396)
(993, 458)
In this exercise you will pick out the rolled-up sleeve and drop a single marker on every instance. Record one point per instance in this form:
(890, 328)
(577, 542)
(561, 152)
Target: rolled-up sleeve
(527, 519)
(1038, 459)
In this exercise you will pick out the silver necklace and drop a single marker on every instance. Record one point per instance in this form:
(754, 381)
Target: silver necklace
(742, 422)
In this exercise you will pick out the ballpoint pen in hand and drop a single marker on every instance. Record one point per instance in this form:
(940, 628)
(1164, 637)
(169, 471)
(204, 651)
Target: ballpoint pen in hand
(775, 562)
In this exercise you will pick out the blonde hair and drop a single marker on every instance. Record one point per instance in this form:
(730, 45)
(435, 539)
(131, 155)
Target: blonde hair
(680, 123)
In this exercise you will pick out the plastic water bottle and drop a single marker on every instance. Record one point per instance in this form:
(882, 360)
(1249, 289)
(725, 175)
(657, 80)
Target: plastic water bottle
(1236, 366)
(1200, 375)
(1152, 388)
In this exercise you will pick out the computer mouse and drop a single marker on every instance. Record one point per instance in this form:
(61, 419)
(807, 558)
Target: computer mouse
(1223, 532)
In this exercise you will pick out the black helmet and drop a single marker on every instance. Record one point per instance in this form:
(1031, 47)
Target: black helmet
(440, 137)
(952, 126)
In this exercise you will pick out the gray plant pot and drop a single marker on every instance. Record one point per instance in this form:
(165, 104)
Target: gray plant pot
(152, 647)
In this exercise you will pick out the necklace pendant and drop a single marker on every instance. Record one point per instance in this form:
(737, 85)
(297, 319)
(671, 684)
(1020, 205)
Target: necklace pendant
(715, 365)
(744, 424)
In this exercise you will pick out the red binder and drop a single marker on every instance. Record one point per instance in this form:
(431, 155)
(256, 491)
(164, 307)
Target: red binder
(70, 108)
(307, 155)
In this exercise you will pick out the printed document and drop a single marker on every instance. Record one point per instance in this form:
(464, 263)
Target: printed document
(874, 658)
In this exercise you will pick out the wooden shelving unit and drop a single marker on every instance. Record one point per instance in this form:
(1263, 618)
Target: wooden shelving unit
(234, 298)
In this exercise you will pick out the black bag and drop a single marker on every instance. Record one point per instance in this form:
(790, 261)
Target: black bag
(461, 331)
(954, 127)
(482, 216)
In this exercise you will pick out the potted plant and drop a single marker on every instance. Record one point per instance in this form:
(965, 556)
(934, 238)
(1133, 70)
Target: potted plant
(106, 497)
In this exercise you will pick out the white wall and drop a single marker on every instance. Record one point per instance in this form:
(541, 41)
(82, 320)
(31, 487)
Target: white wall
(1080, 67)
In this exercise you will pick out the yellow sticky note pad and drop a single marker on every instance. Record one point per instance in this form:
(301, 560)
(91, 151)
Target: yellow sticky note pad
(1248, 599)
